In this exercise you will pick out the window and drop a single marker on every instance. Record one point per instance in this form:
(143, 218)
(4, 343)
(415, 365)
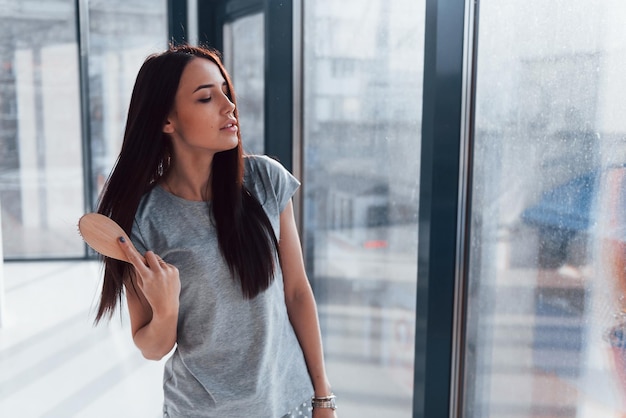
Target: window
(41, 187)
(547, 254)
(41, 159)
(362, 109)
(46, 331)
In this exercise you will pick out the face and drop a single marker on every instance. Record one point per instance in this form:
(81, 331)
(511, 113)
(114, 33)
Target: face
(202, 119)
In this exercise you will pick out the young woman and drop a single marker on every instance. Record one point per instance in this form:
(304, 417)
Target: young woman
(223, 281)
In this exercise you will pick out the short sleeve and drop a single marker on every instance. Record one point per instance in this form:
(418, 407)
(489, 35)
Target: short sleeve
(281, 181)
(137, 239)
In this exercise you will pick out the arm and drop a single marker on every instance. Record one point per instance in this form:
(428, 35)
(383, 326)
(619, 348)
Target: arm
(152, 300)
(301, 305)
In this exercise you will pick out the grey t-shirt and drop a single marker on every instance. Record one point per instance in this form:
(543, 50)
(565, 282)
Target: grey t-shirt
(234, 357)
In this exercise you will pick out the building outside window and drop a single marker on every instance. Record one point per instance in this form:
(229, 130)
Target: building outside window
(362, 120)
(546, 268)
(41, 187)
(41, 153)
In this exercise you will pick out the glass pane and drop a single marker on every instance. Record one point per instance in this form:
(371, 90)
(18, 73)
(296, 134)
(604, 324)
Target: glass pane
(244, 56)
(122, 33)
(41, 187)
(362, 115)
(547, 258)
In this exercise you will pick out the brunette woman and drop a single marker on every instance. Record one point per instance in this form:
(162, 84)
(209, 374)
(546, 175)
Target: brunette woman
(223, 284)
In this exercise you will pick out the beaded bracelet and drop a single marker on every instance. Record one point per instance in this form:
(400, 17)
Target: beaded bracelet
(324, 402)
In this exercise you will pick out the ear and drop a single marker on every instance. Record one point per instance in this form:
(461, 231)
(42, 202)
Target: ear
(168, 127)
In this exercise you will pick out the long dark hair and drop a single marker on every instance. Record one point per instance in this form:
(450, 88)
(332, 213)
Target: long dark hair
(244, 232)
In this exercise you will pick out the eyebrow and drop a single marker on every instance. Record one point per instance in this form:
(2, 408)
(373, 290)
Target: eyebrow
(207, 86)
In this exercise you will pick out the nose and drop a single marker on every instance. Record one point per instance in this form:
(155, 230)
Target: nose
(229, 107)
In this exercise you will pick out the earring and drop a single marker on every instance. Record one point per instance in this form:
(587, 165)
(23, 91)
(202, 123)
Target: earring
(164, 164)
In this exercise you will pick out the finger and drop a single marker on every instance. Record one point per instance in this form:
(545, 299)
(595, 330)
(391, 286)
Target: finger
(154, 260)
(132, 254)
(137, 279)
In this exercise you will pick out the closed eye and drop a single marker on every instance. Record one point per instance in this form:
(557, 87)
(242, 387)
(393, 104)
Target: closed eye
(206, 100)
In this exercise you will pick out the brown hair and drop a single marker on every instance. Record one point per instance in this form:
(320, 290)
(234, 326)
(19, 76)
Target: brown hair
(245, 234)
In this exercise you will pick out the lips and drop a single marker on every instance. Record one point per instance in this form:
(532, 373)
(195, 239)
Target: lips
(232, 124)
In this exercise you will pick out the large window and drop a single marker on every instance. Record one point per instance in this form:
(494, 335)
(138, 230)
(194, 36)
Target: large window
(41, 187)
(362, 111)
(42, 190)
(547, 277)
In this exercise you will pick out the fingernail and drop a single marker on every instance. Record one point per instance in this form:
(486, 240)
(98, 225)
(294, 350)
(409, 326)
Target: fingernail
(122, 239)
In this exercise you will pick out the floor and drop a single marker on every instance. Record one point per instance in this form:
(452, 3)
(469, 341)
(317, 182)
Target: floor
(55, 363)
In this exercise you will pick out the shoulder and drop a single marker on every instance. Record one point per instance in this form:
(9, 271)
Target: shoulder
(149, 201)
(266, 170)
(140, 234)
(266, 177)
(263, 163)
(156, 207)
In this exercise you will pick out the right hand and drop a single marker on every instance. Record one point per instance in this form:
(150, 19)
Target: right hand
(158, 281)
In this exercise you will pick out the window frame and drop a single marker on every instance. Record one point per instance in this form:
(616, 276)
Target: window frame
(445, 186)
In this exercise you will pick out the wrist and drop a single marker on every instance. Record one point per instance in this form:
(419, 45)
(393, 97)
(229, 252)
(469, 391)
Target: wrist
(166, 313)
(324, 402)
(322, 388)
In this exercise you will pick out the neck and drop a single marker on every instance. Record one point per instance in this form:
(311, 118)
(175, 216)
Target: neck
(188, 181)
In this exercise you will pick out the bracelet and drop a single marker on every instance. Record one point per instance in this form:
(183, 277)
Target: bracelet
(324, 402)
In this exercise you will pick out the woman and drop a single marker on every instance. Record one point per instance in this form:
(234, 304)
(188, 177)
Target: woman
(223, 281)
